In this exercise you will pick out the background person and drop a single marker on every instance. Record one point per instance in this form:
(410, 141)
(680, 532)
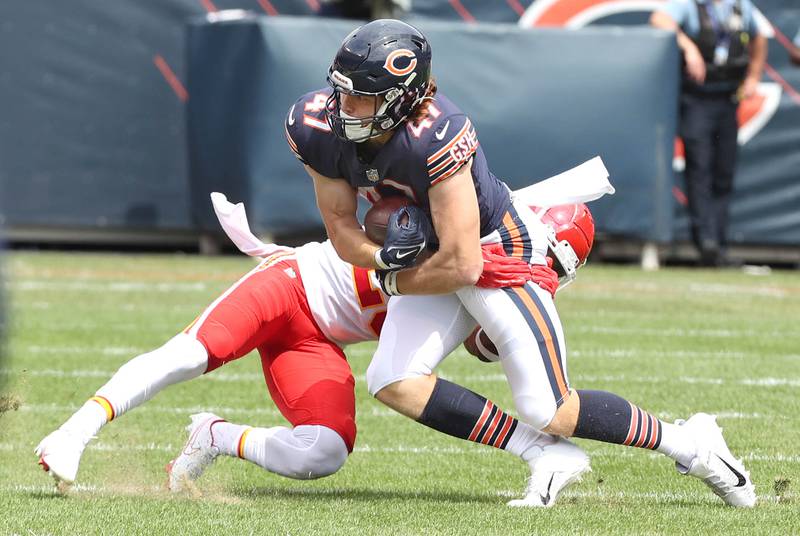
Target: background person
(724, 55)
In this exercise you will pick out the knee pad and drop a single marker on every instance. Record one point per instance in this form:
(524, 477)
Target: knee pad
(328, 453)
(308, 452)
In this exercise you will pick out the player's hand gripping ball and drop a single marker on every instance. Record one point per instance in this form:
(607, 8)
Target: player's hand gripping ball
(377, 217)
(408, 233)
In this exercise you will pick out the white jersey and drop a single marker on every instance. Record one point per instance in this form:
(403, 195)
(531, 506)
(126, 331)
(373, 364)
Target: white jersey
(346, 301)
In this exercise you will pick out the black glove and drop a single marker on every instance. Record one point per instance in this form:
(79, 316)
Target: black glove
(404, 241)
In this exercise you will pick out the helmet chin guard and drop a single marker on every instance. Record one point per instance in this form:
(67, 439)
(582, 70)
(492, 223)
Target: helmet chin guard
(570, 236)
(565, 256)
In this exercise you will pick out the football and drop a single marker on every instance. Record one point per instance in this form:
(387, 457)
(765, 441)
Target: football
(481, 346)
(377, 217)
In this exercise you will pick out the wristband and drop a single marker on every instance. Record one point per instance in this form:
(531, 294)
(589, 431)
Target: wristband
(389, 283)
(379, 261)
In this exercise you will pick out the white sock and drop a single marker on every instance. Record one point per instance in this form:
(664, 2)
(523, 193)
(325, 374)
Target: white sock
(182, 358)
(527, 442)
(677, 444)
(88, 420)
(228, 436)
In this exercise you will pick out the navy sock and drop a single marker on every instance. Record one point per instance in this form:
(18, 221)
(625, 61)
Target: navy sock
(609, 418)
(461, 413)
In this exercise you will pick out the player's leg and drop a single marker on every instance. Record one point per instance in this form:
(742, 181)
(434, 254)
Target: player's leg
(524, 325)
(180, 359)
(419, 331)
(227, 329)
(696, 130)
(313, 387)
(725, 155)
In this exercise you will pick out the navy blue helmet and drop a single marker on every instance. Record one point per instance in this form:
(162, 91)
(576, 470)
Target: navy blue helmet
(385, 58)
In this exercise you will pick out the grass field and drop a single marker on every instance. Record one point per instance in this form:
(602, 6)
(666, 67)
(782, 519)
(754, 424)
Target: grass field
(673, 341)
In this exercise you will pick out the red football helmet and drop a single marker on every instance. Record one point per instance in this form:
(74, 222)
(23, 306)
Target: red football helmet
(571, 238)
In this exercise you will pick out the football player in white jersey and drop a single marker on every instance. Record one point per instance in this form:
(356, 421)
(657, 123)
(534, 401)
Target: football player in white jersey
(298, 308)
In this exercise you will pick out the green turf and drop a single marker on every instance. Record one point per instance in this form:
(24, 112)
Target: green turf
(673, 341)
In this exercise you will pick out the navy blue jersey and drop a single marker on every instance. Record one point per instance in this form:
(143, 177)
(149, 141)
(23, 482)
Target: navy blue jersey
(418, 156)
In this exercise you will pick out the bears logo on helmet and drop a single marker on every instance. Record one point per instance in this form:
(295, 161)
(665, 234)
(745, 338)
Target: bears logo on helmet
(385, 58)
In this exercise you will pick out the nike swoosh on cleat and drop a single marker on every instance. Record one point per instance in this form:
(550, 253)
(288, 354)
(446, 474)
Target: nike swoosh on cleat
(440, 135)
(546, 498)
(742, 480)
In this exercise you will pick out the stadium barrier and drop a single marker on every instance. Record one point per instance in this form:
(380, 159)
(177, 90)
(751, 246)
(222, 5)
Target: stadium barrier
(93, 139)
(541, 102)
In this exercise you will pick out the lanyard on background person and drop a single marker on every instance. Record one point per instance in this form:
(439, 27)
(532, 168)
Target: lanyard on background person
(724, 21)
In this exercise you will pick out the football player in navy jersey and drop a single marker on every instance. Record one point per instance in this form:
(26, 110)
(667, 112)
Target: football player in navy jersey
(383, 129)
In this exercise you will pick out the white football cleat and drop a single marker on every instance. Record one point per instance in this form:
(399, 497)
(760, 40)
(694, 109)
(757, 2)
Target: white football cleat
(715, 465)
(198, 453)
(558, 466)
(60, 454)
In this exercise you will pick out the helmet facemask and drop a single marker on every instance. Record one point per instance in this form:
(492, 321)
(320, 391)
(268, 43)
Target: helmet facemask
(565, 256)
(392, 107)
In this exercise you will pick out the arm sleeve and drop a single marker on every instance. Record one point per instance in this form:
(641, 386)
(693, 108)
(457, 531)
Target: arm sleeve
(753, 26)
(451, 146)
(678, 10)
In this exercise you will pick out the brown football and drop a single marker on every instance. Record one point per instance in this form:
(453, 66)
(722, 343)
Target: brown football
(377, 216)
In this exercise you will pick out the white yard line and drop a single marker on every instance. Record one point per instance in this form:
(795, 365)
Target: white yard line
(111, 286)
(685, 332)
(577, 354)
(77, 350)
(189, 410)
(462, 449)
(486, 378)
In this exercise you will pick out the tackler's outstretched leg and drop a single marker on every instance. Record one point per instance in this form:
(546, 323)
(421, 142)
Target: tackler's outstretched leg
(229, 328)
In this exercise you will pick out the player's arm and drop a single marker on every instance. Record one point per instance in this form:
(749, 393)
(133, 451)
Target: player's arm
(695, 64)
(458, 262)
(337, 202)
(758, 57)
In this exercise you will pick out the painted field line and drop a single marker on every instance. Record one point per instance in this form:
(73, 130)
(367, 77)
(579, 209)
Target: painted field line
(578, 354)
(406, 449)
(488, 378)
(96, 308)
(738, 290)
(40, 285)
(222, 411)
(683, 332)
(77, 350)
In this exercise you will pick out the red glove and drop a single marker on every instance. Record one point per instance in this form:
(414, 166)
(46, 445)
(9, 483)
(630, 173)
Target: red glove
(500, 270)
(545, 276)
